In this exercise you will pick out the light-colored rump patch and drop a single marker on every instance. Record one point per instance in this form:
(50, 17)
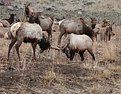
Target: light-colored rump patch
(14, 28)
(6, 35)
(5, 23)
(1, 25)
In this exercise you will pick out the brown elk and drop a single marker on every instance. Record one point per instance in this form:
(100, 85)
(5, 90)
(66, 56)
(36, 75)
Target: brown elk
(11, 19)
(28, 10)
(104, 30)
(56, 25)
(74, 26)
(44, 22)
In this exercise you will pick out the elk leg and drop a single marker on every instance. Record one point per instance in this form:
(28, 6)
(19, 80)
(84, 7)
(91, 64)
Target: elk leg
(49, 34)
(109, 37)
(60, 36)
(91, 53)
(72, 53)
(17, 48)
(81, 53)
(106, 35)
(96, 37)
(34, 49)
(10, 47)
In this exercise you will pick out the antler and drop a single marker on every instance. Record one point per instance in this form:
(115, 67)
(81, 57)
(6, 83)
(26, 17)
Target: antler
(55, 47)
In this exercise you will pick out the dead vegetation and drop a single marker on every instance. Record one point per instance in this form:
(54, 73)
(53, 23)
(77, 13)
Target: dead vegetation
(52, 73)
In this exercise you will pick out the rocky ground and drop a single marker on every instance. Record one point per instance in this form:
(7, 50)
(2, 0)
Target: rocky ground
(52, 73)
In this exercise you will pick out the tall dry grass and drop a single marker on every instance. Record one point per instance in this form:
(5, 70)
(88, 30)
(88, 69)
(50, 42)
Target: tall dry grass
(109, 51)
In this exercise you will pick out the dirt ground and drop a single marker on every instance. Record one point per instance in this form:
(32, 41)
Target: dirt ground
(52, 73)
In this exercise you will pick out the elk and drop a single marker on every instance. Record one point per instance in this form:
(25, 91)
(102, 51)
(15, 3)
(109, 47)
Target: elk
(56, 25)
(104, 30)
(28, 10)
(77, 44)
(44, 22)
(27, 32)
(11, 19)
(5, 23)
(74, 26)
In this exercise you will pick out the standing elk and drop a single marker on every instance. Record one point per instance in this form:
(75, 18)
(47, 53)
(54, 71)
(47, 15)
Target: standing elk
(44, 22)
(56, 25)
(28, 10)
(27, 32)
(93, 22)
(105, 33)
(33, 17)
(74, 26)
(104, 29)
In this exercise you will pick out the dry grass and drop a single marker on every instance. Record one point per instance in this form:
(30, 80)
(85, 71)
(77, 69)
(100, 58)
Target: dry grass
(99, 75)
(115, 68)
(53, 72)
(109, 51)
(50, 75)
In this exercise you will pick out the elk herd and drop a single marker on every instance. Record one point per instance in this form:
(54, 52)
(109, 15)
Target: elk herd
(37, 30)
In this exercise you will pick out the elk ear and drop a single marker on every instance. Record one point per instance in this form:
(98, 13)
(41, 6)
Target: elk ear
(29, 4)
(43, 36)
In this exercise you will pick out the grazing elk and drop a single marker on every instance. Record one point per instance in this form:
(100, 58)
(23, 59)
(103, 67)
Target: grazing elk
(74, 26)
(77, 44)
(27, 32)
(44, 22)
